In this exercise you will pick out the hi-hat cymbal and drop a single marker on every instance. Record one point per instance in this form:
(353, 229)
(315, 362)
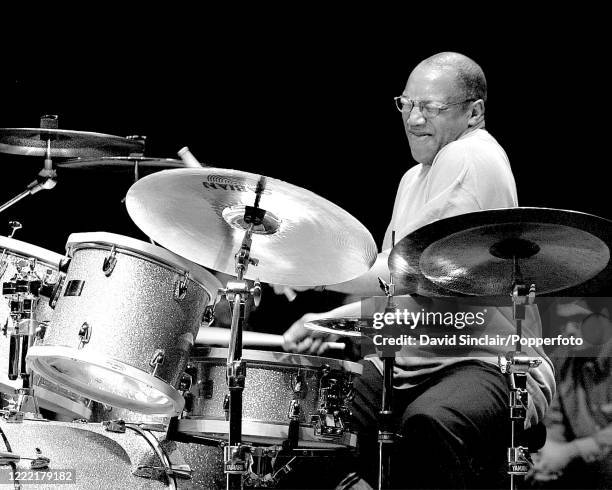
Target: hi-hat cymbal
(345, 327)
(304, 239)
(561, 252)
(65, 143)
(122, 164)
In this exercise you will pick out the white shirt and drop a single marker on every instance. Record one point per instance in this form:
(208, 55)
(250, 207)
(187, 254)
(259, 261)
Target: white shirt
(470, 174)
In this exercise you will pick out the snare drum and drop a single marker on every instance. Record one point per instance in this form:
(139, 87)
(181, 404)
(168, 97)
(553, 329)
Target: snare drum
(279, 387)
(18, 259)
(124, 323)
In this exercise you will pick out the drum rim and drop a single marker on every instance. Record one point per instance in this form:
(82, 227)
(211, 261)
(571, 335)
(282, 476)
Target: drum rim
(50, 399)
(276, 358)
(79, 241)
(26, 250)
(38, 353)
(263, 430)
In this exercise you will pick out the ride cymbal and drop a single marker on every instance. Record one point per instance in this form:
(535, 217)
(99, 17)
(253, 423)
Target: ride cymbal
(475, 254)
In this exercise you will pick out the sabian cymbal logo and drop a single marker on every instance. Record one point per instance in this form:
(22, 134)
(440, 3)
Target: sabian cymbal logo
(220, 182)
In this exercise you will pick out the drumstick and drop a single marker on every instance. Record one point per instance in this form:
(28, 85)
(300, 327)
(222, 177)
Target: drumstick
(221, 336)
(188, 159)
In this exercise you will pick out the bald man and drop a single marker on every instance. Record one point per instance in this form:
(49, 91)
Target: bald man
(452, 409)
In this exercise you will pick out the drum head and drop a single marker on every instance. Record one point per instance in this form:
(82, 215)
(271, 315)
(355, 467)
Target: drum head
(106, 380)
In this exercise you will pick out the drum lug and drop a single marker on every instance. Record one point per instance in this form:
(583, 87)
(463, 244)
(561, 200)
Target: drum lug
(180, 288)
(157, 360)
(110, 261)
(299, 386)
(117, 426)
(84, 334)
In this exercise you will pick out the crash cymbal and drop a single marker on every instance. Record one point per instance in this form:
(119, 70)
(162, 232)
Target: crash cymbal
(122, 164)
(65, 143)
(304, 239)
(561, 252)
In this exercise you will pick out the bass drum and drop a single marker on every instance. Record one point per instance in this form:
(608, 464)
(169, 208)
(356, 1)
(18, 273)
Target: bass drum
(91, 457)
(88, 456)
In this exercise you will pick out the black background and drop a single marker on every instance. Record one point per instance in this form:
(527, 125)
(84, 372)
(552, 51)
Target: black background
(310, 104)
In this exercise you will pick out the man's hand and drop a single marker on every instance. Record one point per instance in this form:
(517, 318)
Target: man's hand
(302, 340)
(553, 459)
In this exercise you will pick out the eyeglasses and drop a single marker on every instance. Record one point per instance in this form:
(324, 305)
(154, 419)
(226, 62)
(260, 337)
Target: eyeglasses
(428, 109)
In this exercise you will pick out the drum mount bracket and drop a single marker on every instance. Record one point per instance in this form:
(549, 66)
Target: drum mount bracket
(334, 413)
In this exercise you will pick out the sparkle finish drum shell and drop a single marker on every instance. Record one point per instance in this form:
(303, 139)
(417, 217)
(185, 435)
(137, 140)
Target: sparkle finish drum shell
(269, 389)
(124, 323)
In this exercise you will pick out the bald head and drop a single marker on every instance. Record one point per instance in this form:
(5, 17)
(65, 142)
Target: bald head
(469, 76)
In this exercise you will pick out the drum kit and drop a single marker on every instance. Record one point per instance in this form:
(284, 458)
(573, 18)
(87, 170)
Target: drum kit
(99, 350)
(110, 373)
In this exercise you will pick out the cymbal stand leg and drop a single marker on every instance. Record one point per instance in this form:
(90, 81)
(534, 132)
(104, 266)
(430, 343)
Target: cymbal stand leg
(516, 365)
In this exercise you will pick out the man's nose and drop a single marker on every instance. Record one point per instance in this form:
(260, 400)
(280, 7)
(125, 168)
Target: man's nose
(415, 116)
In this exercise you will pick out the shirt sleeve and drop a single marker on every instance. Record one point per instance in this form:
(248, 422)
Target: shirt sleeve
(465, 177)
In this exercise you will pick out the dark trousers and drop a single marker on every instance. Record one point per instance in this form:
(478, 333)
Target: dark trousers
(454, 428)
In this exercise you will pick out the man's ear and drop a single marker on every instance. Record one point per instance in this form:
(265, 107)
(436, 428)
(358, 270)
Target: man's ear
(476, 115)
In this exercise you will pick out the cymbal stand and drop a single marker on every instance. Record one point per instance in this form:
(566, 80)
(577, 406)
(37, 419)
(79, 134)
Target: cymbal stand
(47, 177)
(237, 293)
(386, 432)
(516, 365)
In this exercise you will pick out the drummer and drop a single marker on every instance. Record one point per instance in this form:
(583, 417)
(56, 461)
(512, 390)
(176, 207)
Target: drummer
(453, 412)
